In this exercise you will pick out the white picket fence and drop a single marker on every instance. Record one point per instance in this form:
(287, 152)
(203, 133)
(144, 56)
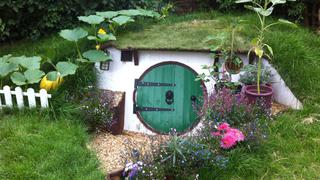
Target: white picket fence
(8, 96)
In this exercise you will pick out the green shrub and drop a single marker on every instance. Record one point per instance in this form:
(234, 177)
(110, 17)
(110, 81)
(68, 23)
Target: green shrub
(33, 18)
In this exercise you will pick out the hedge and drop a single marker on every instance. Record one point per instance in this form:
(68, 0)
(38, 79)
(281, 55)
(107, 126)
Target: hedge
(33, 18)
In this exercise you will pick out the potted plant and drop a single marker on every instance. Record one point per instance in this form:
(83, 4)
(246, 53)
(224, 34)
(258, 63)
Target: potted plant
(226, 46)
(261, 49)
(225, 82)
(249, 75)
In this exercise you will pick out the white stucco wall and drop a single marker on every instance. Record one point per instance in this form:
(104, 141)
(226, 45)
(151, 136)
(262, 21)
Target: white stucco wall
(121, 77)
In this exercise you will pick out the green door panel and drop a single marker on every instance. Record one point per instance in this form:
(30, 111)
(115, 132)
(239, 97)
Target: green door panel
(183, 117)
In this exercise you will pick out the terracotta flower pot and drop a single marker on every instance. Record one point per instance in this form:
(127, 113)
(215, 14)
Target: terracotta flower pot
(232, 67)
(265, 95)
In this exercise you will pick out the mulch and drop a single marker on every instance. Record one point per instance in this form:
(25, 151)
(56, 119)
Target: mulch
(115, 151)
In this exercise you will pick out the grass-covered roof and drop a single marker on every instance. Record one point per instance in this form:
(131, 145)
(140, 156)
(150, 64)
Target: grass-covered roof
(187, 32)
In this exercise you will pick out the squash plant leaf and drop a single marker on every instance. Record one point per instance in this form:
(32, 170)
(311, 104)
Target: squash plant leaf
(18, 78)
(73, 34)
(149, 13)
(131, 12)
(92, 38)
(108, 14)
(121, 20)
(106, 37)
(82, 60)
(52, 76)
(33, 75)
(96, 56)
(5, 58)
(7, 68)
(27, 62)
(66, 68)
(92, 19)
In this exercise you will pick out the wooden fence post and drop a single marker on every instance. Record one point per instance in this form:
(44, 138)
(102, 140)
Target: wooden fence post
(44, 98)
(31, 98)
(7, 96)
(19, 97)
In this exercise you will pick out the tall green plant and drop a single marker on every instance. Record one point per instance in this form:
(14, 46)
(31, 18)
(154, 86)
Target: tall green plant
(263, 9)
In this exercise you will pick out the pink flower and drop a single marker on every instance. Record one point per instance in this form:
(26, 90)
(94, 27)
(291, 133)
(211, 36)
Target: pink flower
(229, 136)
(227, 142)
(223, 126)
(238, 135)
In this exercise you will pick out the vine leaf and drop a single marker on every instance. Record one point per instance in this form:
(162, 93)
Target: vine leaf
(92, 19)
(52, 76)
(33, 75)
(7, 68)
(96, 56)
(108, 14)
(18, 78)
(73, 34)
(121, 20)
(66, 68)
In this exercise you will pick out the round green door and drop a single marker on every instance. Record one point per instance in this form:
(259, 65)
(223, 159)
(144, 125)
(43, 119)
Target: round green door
(165, 95)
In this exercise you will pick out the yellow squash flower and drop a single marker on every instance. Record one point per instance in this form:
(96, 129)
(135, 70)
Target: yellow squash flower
(50, 85)
(102, 31)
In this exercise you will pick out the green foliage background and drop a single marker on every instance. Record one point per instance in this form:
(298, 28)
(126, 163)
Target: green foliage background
(33, 18)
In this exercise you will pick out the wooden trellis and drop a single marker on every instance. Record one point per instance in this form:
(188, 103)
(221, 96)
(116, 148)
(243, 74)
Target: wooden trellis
(9, 98)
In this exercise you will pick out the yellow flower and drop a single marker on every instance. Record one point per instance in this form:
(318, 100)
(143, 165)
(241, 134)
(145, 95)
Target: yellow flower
(98, 47)
(102, 31)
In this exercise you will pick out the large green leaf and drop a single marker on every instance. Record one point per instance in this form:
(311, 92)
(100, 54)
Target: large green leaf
(27, 62)
(149, 13)
(33, 75)
(96, 56)
(5, 58)
(102, 37)
(106, 37)
(73, 34)
(121, 20)
(92, 19)
(7, 68)
(52, 76)
(131, 12)
(18, 78)
(108, 14)
(66, 68)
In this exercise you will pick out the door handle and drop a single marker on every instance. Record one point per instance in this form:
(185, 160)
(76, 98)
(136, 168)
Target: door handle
(193, 98)
(169, 97)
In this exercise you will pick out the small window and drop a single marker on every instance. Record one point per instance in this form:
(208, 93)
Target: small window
(126, 55)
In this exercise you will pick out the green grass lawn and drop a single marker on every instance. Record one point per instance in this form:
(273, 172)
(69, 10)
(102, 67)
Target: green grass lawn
(32, 147)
